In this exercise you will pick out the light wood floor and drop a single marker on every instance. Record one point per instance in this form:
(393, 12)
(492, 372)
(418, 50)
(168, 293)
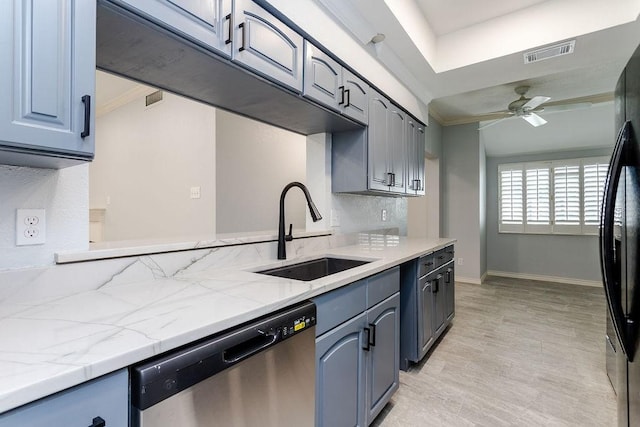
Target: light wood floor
(519, 353)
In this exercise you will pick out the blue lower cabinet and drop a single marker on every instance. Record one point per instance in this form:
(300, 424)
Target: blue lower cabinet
(103, 402)
(383, 357)
(340, 375)
(357, 360)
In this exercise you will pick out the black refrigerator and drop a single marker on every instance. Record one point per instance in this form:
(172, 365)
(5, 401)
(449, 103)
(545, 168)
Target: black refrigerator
(619, 244)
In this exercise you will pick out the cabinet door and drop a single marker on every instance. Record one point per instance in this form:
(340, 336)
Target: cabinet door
(425, 315)
(383, 358)
(449, 283)
(266, 45)
(47, 89)
(415, 157)
(439, 301)
(322, 78)
(340, 375)
(205, 22)
(397, 148)
(377, 133)
(356, 93)
(106, 397)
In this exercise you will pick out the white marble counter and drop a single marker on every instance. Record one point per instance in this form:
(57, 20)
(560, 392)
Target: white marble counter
(129, 309)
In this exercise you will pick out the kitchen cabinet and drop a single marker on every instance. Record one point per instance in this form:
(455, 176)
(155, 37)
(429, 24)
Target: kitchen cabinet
(340, 375)
(204, 22)
(267, 46)
(415, 157)
(377, 160)
(47, 89)
(382, 358)
(427, 303)
(328, 82)
(103, 402)
(357, 350)
(387, 145)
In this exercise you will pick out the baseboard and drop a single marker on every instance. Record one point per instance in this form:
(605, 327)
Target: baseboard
(472, 280)
(564, 280)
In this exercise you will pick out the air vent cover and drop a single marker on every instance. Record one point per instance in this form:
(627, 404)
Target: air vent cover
(549, 52)
(153, 98)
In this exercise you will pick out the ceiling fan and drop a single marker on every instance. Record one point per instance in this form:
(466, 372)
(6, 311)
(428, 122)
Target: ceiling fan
(527, 109)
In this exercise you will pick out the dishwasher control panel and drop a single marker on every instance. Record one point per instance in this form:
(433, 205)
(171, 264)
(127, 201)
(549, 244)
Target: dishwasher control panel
(160, 378)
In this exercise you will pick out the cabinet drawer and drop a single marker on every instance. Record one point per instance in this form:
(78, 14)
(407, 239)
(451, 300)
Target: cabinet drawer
(106, 397)
(382, 286)
(443, 256)
(426, 263)
(340, 305)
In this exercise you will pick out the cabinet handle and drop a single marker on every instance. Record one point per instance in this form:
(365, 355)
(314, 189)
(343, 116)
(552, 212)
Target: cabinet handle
(436, 283)
(389, 179)
(98, 422)
(367, 345)
(448, 275)
(341, 88)
(244, 36)
(372, 335)
(393, 176)
(230, 34)
(348, 92)
(86, 100)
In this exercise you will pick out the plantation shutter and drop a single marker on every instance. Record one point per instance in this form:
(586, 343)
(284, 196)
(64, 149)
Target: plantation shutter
(566, 195)
(538, 196)
(511, 200)
(594, 175)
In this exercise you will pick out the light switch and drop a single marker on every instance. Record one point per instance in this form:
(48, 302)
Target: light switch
(195, 192)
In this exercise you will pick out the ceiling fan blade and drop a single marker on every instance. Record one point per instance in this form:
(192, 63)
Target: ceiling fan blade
(534, 119)
(565, 107)
(535, 102)
(493, 122)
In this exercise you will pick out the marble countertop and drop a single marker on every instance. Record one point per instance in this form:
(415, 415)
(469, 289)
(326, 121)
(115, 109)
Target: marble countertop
(48, 344)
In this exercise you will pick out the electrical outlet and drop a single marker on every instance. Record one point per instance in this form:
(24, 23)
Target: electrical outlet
(384, 214)
(335, 218)
(460, 261)
(30, 227)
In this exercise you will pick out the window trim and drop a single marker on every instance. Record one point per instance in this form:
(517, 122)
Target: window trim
(552, 227)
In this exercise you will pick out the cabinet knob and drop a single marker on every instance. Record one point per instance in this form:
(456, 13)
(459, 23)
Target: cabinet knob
(98, 422)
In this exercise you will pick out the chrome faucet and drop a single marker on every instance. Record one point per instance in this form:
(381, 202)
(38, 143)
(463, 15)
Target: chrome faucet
(315, 215)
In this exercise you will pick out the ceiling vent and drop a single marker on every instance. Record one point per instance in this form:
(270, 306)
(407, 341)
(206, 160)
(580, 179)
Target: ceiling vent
(549, 52)
(153, 98)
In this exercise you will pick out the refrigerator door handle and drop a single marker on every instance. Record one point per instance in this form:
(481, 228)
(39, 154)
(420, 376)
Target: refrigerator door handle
(607, 219)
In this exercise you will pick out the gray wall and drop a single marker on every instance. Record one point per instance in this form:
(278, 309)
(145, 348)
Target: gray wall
(482, 209)
(461, 197)
(570, 257)
(254, 161)
(433, 134)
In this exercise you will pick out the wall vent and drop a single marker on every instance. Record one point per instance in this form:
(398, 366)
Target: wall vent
(153, 98)
(549, 52)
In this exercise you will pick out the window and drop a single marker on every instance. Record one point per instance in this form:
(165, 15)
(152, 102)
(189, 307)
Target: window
(554, 197)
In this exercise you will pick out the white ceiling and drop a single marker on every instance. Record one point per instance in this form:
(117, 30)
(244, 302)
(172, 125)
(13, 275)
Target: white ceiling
(467, 55)
(447, 16)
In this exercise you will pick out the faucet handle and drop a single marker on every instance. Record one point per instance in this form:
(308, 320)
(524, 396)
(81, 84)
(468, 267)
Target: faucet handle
(289, 237)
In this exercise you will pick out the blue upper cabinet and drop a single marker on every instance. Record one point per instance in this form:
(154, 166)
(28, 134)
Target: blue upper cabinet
(47, 84)
(205, 22)
(329, 83)
(264, 44)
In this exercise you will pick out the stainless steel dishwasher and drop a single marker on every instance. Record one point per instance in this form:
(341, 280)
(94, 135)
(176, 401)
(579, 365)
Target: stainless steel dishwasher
(258, 374)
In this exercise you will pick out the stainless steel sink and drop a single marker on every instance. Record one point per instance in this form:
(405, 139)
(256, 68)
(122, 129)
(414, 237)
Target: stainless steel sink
(314, 269)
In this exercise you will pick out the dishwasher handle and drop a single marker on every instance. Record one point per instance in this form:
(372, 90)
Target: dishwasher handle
(251, 346)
